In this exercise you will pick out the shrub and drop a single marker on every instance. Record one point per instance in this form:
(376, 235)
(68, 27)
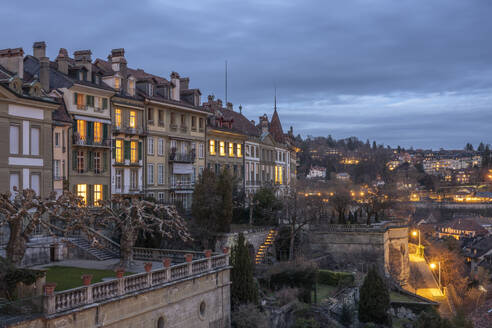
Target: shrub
(306, 323)
(247, 316)
(332, 278)
(346, 316)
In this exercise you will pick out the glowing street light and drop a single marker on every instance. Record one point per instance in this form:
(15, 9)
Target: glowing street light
(416, 233)
(433, 267)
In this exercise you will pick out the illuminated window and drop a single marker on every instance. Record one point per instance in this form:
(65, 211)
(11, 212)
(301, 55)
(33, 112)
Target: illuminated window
(133, 119)
(231, 149)
(212, 147)
(82, 129)
(98, 193)
(82, 192)
(239, 150)
(222, 148)
(80, 100)
(97, 132)
(280, 175)
(116, 83)
(133, 153)
(276, 174)
(119, 150)
(117, 117)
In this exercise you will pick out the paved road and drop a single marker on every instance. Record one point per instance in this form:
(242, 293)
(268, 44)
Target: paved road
(427, 286)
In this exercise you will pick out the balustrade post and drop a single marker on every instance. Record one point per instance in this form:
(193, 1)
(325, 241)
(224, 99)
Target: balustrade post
(189, 259)
(121, 286)
(49, 305)
(226, 253)
(88, 295)
(208, 255)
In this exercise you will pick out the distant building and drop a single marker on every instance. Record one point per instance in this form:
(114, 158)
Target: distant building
(316, 172)
(343, 176)
(460, 228)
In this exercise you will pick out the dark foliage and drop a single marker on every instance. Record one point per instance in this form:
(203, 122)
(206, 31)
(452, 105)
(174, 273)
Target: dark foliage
(374, 299)
(243, 289)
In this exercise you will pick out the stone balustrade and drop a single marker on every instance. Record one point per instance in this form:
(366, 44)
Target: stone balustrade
(157, 254)
(57, 302)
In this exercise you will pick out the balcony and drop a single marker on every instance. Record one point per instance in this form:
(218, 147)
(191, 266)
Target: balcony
(181, 184)
(160, 123)
(183, 128)
(188, 157)
(255, 183)
(173, 127)
(98, 109)
(78, 141)
(128, 130)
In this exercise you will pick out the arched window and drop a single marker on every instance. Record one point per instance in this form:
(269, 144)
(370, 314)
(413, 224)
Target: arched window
(160, 322)
(203, 308)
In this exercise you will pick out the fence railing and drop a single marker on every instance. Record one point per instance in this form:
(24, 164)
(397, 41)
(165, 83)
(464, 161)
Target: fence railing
(82, 296)
(157, 254)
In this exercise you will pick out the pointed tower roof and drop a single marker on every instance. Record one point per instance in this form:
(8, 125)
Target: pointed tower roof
(275, 127)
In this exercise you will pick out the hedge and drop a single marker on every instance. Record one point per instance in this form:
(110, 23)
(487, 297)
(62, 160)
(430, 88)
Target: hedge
(332, 278)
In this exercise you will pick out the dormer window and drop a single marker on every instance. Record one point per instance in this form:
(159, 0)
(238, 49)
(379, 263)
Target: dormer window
(81, 76)
(117, 82)
(131, 87)
(151, 90)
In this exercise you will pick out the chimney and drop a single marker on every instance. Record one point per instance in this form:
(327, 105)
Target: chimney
(264, 123)
(253, 122)
(184, 83)
(119, 64)
(240, 109)
(229, 106)
(210, 98)
(62, 61)
(44, 73)
(175, 92)
(13, 60)
(83, 58)
(219, 104)
(39, 49)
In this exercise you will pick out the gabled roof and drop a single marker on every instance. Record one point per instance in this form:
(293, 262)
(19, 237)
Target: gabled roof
(240, 122)
(61, 113)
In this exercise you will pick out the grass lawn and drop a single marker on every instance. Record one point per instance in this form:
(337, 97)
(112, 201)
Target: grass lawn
(324, 291)
(70, 277)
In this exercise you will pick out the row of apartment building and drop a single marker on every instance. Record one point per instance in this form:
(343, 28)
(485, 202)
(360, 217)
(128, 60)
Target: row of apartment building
(100, 128)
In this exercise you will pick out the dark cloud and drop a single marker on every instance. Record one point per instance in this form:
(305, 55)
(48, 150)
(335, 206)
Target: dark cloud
(402, 72)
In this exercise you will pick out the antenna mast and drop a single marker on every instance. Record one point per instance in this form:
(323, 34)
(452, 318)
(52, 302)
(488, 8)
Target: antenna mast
(226, 83)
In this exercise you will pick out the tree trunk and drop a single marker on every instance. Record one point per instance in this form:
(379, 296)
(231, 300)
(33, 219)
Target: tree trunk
(17, 245)
(126, 248)
(291, 246)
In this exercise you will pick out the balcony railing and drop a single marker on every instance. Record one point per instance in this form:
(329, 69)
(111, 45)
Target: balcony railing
(188, 157)
(78, 141)
(255, 183)
(128, 130)
(181, 184)
(173, 127)
(184, 128)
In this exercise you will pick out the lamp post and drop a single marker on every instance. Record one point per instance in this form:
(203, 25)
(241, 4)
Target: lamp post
(416, 233)
(433, 266)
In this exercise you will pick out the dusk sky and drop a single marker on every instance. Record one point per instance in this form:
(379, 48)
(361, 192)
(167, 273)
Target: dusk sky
(406, 72)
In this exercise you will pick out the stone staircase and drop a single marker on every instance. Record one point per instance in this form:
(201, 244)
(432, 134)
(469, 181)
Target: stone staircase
(100, 252)
(262, 252)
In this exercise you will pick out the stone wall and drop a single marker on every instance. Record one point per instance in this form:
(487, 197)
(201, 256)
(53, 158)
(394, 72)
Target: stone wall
(196, 302)
(356, 248)
(39, 251)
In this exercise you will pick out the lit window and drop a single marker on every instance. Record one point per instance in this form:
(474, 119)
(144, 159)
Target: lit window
(117, 117)
(212, 147)
(280, 175)
(80, 101)
(133, 119)
(97, 132)
(231, 149)
(117, 83)
(133, 153)
(82, 129)
(97, 194)
(119, 150)
(239, 150)
(222, 148)
(82, 192)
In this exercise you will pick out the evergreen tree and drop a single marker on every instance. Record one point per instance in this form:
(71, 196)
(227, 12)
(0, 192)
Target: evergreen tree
(243, 287)
(481, 147)
(374, 146)
(206, 201)
(374, 299)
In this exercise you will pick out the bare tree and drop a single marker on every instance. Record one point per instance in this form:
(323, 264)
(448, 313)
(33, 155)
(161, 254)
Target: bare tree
(24, 212)
(299, 211)
(131, 216)
(341, 202)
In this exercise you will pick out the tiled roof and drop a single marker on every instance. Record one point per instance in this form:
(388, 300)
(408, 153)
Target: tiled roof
(275, 128)
(240, 122)
(5, 74)
(61, 114)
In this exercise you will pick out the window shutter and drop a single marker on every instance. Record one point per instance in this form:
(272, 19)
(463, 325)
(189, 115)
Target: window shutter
(105, 103)
(90, 135)
(75, 95)
(105, 161)
(74, 190)
(90, 195)
(113, 148)
(216, 146)
(74, 125)
(105, 131)
(139, 150)
(105, 192)
(74, 160)
(127, 149)
(90, 159)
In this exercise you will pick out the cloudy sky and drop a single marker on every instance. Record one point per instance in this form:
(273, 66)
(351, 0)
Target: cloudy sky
(407, 72)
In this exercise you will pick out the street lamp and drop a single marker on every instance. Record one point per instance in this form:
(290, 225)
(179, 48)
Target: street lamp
(416, 233)
(433, 266)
